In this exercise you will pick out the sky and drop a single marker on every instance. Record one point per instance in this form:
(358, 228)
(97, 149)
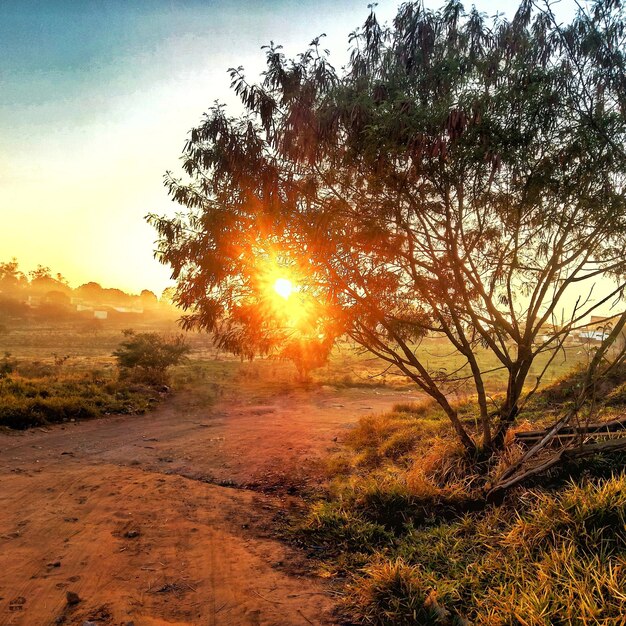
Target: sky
(96, 100)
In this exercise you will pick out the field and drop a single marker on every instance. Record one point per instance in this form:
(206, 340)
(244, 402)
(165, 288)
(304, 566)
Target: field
(242, 496)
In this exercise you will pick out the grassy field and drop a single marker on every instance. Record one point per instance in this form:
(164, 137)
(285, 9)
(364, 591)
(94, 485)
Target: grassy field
(347, 366)
(66, 369)
(60, 371)
(89, 343)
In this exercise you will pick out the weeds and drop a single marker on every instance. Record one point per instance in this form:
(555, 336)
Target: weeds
(31, 402)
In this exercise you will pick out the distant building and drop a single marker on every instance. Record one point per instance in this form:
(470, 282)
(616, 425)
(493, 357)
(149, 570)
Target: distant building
(128, 309)
(100, 315)
(598, 329)
(594, 335)
(548, 331)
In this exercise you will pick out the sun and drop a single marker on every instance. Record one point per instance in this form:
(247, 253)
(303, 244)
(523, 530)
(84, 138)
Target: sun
(283, 287)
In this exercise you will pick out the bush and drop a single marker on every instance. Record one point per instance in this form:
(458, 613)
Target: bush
(147, 356)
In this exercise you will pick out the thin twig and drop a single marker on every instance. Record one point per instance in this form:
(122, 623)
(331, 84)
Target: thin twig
(266, 599)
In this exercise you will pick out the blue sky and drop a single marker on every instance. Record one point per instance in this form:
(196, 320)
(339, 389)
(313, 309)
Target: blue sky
(96, 99)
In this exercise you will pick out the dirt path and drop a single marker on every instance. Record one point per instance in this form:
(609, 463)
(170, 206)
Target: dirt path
(132, 513)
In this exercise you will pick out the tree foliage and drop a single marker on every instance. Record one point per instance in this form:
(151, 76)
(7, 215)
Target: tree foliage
(461, 177)
(11, 278)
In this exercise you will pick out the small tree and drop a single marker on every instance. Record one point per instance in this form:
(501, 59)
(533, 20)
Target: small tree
(149, 355)
(307, 354)
(459, 178)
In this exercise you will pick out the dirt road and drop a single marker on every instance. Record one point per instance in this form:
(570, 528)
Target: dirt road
(168, 518)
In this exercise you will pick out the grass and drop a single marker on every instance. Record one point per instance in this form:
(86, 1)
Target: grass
(347, 368)
(403, 524)
(27, 402)
(34, 393)
(553, 558)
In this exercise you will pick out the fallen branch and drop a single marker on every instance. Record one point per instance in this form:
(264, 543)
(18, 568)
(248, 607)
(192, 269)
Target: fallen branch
(541, 444)
(565, 454)
(614, 426)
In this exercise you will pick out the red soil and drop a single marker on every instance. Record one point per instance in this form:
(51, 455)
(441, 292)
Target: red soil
(133, 515)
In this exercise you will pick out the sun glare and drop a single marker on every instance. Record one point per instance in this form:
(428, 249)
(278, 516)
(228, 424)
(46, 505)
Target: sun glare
(283, 287)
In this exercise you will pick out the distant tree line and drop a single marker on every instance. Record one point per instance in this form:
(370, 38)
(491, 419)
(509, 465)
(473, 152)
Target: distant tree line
(52, 296)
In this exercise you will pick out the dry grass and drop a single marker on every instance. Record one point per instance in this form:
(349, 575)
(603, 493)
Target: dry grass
(441, 556)
(26, 402)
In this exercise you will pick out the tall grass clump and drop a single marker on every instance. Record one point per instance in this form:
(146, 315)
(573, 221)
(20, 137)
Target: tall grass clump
(394, 592)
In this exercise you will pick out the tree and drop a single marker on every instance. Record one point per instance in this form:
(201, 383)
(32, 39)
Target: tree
(41, 281)
(91, 291)
(12, 279)
(307, 353)
(149, 355)
(167, 296)
(294, 326)
(459, 178)
(148, 299)
(115, 297)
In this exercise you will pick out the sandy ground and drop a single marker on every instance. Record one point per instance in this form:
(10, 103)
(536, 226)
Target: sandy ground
(170, 517)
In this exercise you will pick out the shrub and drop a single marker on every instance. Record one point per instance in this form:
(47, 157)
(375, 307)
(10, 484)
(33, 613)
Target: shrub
(147, 356)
